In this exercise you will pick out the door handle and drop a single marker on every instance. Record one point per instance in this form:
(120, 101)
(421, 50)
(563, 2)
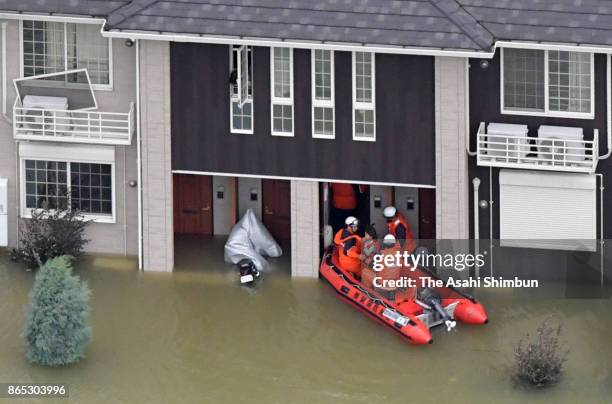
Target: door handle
(206, 208)
(268, 211)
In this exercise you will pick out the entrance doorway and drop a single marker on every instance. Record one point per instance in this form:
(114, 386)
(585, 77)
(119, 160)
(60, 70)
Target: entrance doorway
(193, 212)
(277, 208)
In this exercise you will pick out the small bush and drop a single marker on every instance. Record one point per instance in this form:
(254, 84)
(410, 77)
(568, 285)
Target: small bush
(49, 234)
(540, 362)
(57, 329)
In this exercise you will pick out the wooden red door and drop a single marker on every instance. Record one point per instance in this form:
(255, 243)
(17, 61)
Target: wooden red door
(193, 205)
(427, 214)
(277, 208)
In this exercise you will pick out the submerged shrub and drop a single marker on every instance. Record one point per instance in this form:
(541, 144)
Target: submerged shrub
(540, 362)
(57, 329)
(50, 233)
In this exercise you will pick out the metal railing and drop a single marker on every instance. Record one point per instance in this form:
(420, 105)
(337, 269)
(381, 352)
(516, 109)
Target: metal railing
(56, 125)
(537, 153)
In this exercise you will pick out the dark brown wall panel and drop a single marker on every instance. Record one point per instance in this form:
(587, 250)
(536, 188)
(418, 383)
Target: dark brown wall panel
(485, 107)
(404, 150)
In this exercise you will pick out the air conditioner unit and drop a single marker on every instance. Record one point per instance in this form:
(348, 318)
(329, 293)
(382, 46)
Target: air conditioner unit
(508, 140)
(555, 142)
(3, 212)
(56, 121)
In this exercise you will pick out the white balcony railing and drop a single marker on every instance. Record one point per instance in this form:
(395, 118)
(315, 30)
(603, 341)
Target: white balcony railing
(537, 153)
(56, 125)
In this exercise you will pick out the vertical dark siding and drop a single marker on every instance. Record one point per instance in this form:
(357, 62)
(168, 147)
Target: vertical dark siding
(404, 150)
(485, 107)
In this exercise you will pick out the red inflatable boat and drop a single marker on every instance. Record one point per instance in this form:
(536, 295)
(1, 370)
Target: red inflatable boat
(411, 317)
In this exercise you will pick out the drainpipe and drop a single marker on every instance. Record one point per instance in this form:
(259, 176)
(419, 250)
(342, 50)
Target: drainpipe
(476, 183)
(3, 26)
(609, 108)
(601, 224)
(467, 109)
(139, 156)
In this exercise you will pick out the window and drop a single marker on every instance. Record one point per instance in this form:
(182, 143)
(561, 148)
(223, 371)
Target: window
(241, 116)
(90, 186)
(282, 91)
(364, 95)
(557, 83)
(51, 47)
(323, 107)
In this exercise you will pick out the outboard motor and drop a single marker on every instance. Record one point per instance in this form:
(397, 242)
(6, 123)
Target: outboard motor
(248, 272)
(432, 298)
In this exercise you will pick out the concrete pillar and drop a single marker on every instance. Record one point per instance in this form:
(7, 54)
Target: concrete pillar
(305, 252)
(157, 197)
(452, 185)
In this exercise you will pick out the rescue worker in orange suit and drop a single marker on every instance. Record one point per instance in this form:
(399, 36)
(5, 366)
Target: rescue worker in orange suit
(345, 200)
(348, 243)
(399, 227)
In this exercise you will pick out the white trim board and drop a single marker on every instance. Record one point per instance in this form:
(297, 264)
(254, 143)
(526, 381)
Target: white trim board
(279, 177)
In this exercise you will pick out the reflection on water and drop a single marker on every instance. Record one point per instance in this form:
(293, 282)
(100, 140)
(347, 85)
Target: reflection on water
(197, 336)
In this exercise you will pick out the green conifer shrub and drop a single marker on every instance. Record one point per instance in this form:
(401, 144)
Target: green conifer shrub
(57, 329)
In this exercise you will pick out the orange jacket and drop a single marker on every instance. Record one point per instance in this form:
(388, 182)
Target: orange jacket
(349, 250)
(395, 227)
(343, 196)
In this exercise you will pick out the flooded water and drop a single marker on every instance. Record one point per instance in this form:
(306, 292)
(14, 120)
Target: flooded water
(196, 336)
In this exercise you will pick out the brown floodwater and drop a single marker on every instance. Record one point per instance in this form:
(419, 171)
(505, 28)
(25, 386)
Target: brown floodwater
(196, 336)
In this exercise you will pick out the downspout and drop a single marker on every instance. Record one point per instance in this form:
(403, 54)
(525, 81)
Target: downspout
(491, 219)
(609, 107)
(3, 26)
(601, 224)
(467, 106)
(476, 183)
(139, 156)
(125, 201)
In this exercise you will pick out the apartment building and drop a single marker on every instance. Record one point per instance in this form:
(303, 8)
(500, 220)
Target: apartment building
(228, 107)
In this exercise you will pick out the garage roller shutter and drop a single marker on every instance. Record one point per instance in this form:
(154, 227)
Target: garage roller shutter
(548, 210)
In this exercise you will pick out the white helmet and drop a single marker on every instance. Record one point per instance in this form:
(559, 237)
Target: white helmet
(389, 240)
(351, 221)
(389, 212)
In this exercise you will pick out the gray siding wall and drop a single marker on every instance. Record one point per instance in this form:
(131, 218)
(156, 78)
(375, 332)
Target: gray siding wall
(451, 159)
(117, 238)
(305, 250)
(157, 199)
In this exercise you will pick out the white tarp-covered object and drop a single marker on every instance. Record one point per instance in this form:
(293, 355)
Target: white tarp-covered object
(250, 239)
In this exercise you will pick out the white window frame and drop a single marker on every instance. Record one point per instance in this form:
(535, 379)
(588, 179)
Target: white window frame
(547, 111)
(103, 87)
(287, 101)
(56, 153)
(236, 97)
(371, 106)
(316, 103)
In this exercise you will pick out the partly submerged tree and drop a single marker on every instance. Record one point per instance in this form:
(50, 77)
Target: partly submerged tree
(540, 362)
(51, 233)
(57, 329)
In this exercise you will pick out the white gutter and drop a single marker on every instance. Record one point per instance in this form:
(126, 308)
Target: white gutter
(139, 157)
(554, 46)
(54, 17)
(297, 44)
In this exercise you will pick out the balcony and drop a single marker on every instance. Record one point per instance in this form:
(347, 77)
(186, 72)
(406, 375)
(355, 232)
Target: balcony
(549, 153)
(63, 125)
